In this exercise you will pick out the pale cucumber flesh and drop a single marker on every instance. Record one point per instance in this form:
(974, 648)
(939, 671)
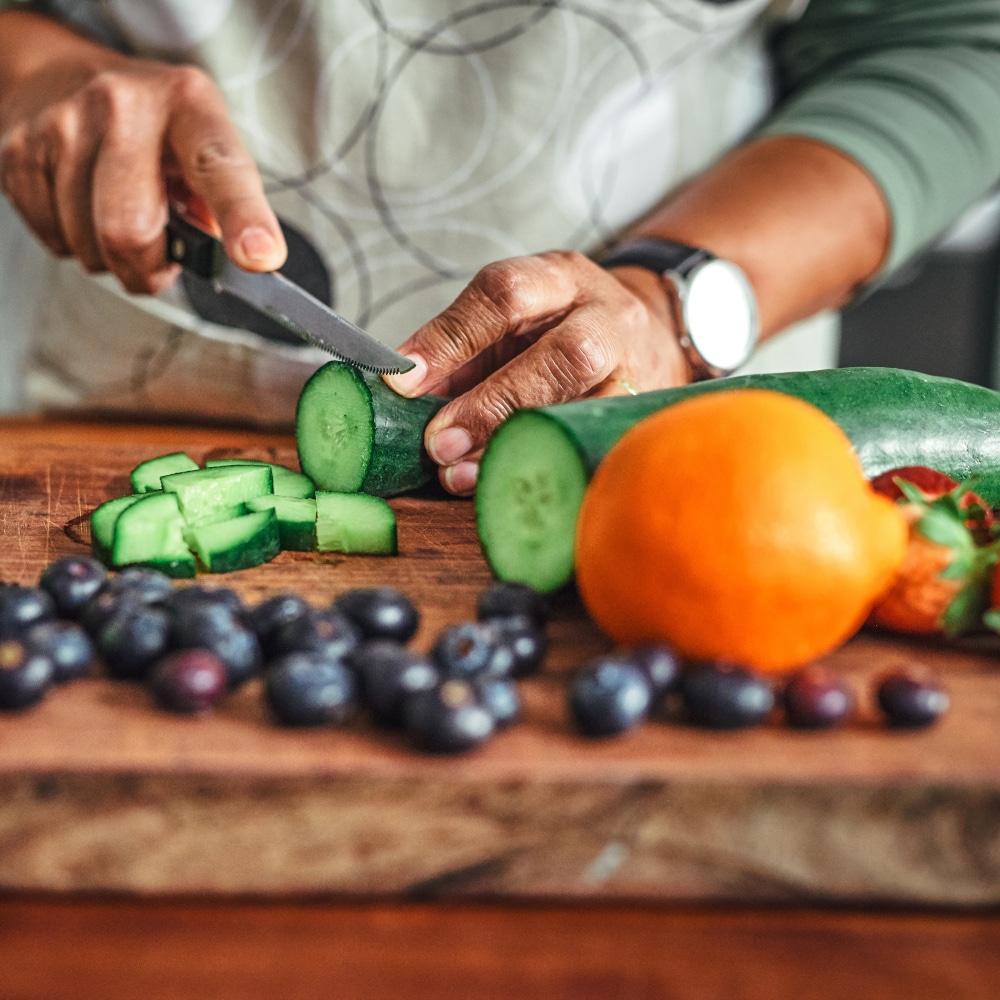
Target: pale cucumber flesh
(526, 509)
(146, 475)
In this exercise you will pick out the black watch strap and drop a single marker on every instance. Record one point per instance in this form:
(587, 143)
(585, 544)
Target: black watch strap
(656, 255)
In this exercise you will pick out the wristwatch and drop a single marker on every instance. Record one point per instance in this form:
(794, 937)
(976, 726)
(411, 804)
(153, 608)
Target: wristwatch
(713, 301)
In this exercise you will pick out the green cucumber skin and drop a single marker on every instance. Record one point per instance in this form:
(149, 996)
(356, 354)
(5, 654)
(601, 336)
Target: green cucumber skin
(398, 461)
(892, 416)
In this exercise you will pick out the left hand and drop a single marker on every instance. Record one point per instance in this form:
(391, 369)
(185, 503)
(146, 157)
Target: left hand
(530, 331)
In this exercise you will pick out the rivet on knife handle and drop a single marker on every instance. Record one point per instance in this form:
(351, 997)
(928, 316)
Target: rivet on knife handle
(193, 248)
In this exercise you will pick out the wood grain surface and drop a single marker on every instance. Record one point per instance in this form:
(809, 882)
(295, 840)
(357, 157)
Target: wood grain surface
(96, 950)
(100, 792)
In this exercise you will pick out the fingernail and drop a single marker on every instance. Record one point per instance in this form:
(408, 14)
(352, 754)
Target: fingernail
(408, 383)
(461, 478)
(258, 246)
(448, 446)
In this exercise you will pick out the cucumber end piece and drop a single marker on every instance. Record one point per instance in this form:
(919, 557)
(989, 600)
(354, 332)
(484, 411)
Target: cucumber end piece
(531, 483)
(335, 428)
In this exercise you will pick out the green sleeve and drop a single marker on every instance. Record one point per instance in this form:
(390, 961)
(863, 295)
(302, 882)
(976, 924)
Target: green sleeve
(909, 89)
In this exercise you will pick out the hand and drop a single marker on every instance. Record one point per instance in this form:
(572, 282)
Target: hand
(530, 331)
(86, 150)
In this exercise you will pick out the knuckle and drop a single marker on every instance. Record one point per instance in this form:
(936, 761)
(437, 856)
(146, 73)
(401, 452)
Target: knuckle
(189, 83)
(581, 357)
(566, 260)
(506, 289)
(111, 95)
(127, 237)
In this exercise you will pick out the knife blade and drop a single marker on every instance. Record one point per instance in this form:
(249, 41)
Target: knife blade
(282, 300)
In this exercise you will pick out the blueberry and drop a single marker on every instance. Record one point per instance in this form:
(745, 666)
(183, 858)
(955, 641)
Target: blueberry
(389, 673)
(725, 696)
(609, 696)
(66, 645)
(71, 582)
(270, 615)
(521, 642)
(198, 595)
(189, 680)
(22, 607)
(500, 698)
(380, 613)
(817, 699)
(909, 701)
(661, 666)
(308, 689)
(103, 606)
(214, 627)
(512, 600)
(326, 632)
(448, 718)
(465, 650)
(148, 586)
(133, 639)
(25, 675)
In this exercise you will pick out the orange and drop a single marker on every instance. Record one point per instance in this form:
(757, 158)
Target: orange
(736, 525)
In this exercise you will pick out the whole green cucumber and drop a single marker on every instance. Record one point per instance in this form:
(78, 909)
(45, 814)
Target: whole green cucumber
(535, 468)
(355, 435)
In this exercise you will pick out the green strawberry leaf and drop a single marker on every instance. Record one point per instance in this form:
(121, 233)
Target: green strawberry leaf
(966, 609)
(911, 492)
(940, 526)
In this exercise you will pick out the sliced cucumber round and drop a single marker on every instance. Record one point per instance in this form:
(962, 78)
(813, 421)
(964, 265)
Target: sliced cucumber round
(531, 484)
(296, 520)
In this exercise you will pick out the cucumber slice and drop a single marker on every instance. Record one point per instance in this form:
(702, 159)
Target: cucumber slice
(218, 494)
(239, 543)
(150, 532)
(354, 434)
(354, 522)
(102, 525)
(146, 475)
(296, 520)
(287, 482)
(526, 509)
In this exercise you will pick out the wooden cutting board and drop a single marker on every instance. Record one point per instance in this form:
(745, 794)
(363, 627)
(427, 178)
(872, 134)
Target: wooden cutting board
(99, 791)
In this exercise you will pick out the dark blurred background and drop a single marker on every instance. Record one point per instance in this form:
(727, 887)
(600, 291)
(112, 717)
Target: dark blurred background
(939, 314)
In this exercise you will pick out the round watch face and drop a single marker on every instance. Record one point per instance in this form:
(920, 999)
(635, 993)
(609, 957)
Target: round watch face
(720, 313)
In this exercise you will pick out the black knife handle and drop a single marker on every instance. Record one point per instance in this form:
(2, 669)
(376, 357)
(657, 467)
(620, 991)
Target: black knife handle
(193, 248)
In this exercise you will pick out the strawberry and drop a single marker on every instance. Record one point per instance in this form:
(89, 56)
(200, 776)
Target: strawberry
(933, 483)
(943, 585)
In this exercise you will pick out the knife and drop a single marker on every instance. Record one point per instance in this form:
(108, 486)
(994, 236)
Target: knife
(282, 300)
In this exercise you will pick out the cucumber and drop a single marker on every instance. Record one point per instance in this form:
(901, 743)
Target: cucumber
(354, 522)
(287, 482)
(146, 475)
(102, 525)
(354, 434)
(535, 468)
(296, 520)
(218, 494)
(150, 532)
(238, 543)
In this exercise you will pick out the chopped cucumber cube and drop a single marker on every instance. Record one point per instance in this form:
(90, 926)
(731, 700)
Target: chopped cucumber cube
(146, 475)
(354, 522)
(296, 520)
(149, 532)
(239, 543)
(218, 494)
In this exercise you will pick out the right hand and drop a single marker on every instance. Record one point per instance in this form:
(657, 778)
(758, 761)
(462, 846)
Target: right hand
(85, 157)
